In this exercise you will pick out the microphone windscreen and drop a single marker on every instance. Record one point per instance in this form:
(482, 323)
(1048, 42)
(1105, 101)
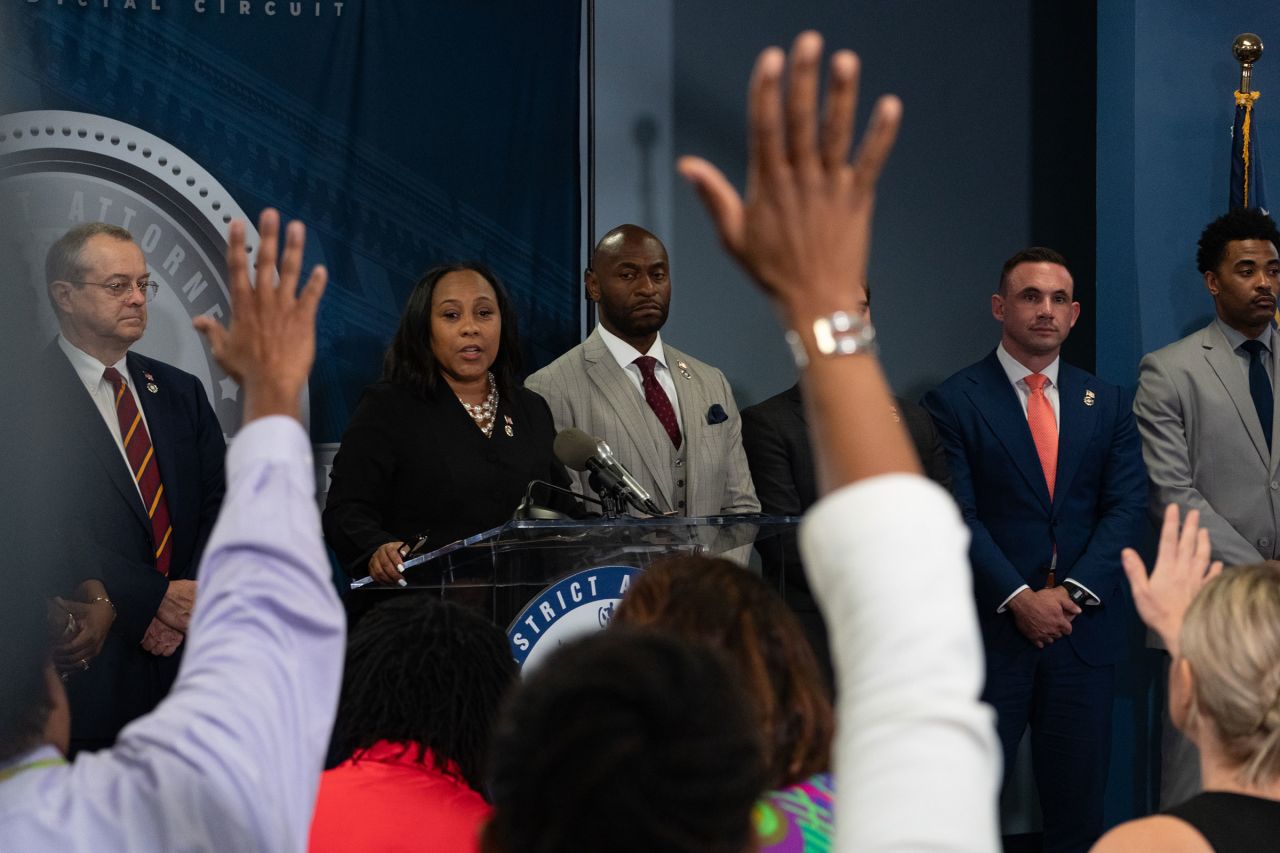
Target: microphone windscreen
(574, 448)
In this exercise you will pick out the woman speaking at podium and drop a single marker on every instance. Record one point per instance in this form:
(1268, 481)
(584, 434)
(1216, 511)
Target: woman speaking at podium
(446, 442)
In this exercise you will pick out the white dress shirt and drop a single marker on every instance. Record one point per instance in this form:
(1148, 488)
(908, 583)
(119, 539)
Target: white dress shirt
(887, 560)
(1018, 374)
(231, 759)
(90, 371)
(625, 354)
(1018, 379)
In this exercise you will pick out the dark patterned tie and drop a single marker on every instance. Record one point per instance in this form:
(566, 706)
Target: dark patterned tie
(1260, 386)
(146, 471)
(657, 398)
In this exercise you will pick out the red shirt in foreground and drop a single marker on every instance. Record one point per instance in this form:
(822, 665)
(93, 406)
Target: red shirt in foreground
(386, 802)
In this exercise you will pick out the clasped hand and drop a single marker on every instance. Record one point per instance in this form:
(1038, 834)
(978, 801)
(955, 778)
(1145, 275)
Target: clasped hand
(1043, 615)
(92, 621)
(173, 617)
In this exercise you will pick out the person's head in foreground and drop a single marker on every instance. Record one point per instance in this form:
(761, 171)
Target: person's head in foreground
(429, 675)
(714, 601)
(628, 740)
(1222, 630)
(1224, 688)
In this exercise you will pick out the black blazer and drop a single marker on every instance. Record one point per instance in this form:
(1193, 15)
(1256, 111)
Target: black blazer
(412, 463)
(101, 530)
(776, 437)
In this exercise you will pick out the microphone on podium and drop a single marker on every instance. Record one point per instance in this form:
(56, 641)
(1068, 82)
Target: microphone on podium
(581, 452)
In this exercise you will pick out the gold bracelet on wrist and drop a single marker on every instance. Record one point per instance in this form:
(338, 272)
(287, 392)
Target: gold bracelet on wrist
(96, 599)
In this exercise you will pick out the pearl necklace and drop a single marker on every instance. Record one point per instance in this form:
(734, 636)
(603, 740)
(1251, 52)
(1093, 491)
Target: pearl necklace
(484, 414)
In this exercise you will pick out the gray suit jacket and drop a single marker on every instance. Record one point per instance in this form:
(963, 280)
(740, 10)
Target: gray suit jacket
(586, 388)
(1204, 446)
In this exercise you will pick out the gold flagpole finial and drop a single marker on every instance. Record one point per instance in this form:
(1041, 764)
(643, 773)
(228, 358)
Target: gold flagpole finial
(1247, 49)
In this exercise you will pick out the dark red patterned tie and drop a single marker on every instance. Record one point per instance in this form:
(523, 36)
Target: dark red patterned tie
(657, 398)
(146, 471)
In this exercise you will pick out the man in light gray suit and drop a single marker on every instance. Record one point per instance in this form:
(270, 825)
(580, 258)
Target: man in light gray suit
(669, 418)
(1206, 412)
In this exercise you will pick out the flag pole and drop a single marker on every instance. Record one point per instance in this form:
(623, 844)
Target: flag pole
(1247, 49)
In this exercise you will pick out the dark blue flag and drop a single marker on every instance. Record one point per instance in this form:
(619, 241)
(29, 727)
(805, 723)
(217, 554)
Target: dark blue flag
(1247, 188)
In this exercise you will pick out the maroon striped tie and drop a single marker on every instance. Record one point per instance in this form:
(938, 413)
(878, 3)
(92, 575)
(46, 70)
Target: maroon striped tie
(146, 470)
(657, 398)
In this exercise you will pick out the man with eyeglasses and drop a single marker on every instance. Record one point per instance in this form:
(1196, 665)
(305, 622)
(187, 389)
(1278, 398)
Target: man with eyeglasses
(134, 455)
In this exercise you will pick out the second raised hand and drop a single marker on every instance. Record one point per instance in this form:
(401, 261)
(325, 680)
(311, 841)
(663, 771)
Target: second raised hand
(1182, 569)
(270, 344)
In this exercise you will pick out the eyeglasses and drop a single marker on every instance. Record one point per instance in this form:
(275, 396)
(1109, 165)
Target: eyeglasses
(122, 290)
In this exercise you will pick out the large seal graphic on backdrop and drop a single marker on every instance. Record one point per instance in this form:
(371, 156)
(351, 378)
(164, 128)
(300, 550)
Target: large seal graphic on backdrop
(61, 168)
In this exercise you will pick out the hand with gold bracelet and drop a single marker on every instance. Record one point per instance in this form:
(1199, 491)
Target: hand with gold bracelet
(93, 615)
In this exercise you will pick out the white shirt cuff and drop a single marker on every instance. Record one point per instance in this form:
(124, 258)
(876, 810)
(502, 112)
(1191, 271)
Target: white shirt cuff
(1004, 605)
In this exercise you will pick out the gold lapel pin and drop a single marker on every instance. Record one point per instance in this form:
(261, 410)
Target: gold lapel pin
(1088, 398)
(684, 369)
(508, 430)
(151, 382)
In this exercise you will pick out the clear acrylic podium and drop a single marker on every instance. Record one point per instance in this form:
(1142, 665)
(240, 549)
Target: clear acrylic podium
(502, 570)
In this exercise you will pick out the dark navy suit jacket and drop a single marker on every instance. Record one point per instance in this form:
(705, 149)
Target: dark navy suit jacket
(102, 531)
(1098, 506)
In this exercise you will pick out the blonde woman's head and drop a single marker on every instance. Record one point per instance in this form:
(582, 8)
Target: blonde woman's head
(1228, 679)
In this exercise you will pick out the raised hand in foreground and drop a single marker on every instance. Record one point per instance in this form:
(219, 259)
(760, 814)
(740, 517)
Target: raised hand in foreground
(804, 230)
(804, 234)
(885, 559)
(271, 342)
(1182, 569)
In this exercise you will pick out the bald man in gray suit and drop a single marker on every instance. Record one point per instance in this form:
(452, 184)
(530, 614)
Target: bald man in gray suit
(669, 418)
(1210, 434)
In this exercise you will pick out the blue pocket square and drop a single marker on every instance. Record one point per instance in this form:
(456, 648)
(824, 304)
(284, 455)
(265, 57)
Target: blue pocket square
(716, 415)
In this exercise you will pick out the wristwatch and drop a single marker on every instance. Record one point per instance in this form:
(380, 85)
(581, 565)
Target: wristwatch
(835, 334)
(1076, 593)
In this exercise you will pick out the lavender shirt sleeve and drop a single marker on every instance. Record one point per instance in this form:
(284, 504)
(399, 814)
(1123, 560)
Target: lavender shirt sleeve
(231, 759)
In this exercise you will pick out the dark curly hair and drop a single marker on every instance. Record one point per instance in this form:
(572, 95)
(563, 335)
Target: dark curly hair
(425, 673)
(1243, 224)
(409, 360)
(630, 741)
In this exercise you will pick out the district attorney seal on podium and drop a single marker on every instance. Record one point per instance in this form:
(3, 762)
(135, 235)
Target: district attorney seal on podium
(61, 168)
(570, 608)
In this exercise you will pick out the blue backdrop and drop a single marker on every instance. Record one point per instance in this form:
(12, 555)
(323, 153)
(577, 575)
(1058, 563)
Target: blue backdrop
(1165, 106)
(403, 134)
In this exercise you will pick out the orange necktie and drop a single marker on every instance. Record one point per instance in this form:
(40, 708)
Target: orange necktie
(1044, 428)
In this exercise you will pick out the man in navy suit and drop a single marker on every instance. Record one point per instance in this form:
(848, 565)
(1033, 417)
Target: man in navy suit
(135, 454)
(1047, 468)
